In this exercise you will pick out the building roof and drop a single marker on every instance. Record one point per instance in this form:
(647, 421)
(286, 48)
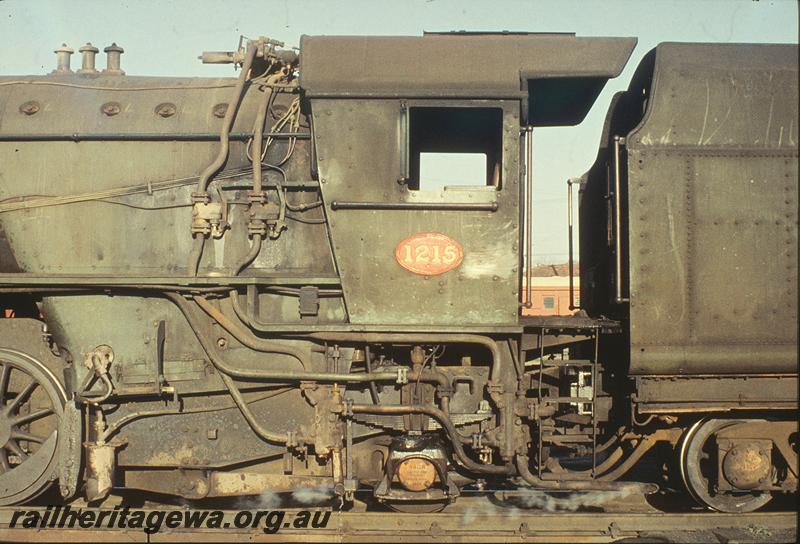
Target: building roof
(550, 270)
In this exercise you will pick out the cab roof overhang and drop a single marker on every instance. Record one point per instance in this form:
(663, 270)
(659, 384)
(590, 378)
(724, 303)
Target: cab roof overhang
(557, 76)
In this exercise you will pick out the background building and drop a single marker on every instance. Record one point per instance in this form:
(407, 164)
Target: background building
(550, 290)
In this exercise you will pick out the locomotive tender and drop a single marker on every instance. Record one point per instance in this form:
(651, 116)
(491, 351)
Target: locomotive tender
(223, 286)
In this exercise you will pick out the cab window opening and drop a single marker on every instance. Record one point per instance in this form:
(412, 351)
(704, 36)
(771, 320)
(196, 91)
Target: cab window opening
(455, 147)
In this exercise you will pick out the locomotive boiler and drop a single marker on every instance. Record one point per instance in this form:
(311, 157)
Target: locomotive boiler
(217, 287)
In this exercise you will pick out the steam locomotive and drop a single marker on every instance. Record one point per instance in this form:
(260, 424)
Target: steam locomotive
(215, 287)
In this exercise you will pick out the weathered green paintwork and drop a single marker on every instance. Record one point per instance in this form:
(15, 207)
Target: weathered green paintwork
(712, 193)
(359, 145)
(100, 238)
(705, 215)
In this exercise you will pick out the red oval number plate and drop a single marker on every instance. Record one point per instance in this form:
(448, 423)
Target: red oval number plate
(429, 254)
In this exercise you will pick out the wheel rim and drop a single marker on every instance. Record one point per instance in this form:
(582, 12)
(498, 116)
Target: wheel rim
(698, 465)
(31, 405)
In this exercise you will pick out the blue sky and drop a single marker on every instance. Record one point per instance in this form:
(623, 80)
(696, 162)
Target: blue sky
(164, 38)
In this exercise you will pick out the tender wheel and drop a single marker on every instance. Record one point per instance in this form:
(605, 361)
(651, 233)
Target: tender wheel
(31, 404)
(698, 462)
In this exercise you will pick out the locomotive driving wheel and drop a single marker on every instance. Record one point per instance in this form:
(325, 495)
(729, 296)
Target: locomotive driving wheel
(698, 463)
(31, 405)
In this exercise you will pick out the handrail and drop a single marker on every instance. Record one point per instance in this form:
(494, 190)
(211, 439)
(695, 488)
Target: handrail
(569, 245)
(449, 206)
(618, 140)
(528, 205)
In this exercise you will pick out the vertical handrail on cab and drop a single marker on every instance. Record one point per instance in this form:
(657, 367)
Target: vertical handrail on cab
(569, 245)
(405, 143)
(618, 140)
(528, 216)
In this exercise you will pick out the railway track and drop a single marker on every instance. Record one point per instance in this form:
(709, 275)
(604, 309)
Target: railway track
(471, 520)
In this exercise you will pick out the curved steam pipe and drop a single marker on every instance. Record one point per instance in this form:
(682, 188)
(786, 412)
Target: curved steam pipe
(255, 248)
(447, 425)
(224, 149)
(196, 253)
(575, 485)
(227, 121)
(278, 375)
(247, 338)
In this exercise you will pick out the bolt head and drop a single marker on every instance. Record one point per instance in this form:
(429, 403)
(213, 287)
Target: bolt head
(165, 110)
(29, 108)
(220, 110)
(111, 108)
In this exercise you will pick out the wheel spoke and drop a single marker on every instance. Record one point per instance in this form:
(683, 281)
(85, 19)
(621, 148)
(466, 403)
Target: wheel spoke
(14, 448)
(21, 397)
(27, 418)
(20, 435)
(31, 402)
(4, 382)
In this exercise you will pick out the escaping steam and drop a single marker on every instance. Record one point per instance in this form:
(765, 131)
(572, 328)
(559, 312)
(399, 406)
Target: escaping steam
(312, 495)
(525, 500)
(266, 501)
